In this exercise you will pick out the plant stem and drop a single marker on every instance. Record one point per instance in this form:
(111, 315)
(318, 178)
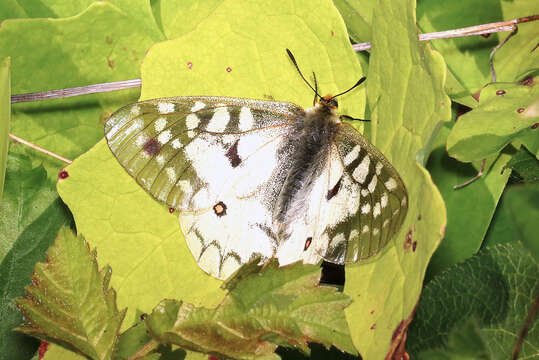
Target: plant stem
(38, 148)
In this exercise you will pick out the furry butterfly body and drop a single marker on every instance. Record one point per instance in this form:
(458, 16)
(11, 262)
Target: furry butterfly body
(261, 178)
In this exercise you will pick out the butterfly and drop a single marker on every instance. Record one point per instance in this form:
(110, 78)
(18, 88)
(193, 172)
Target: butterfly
(257, 178)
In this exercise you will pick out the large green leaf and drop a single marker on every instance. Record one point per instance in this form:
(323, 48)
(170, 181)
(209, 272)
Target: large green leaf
(497, 287)
(5, 118)
(136, 235)
(266, 306)
(477, 201)
(506, 111)
(70, 301)
(30, 215)
(99, 45)
(405, 93)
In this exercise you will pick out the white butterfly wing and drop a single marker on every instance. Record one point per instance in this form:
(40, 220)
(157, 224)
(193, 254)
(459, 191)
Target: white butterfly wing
(217, 160)
(365, 203)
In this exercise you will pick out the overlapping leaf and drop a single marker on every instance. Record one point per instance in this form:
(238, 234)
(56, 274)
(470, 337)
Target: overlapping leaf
(267, 307)
(30, 215)
(70, 301)
(405, 93)
(496, 287)
(505, 112)
(463, 237)
(96, 46)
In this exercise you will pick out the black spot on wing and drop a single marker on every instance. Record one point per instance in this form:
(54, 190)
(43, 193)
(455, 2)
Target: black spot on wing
(332, 192)
(232, 155)
(152, 147)
(220, 209)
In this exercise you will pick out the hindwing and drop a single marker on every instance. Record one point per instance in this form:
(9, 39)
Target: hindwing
(366, 201)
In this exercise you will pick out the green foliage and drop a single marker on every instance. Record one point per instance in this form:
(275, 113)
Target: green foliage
(5, 117)
(87, 42)
(30, 215)
(412, 110)
(463, 238)
(70, 301)
(525, 164)
(505, 112)
(263, 309)
(497, 287)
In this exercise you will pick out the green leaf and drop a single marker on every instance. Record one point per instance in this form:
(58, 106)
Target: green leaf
(408, 103)
(465, 342)
(137, 236)
(469, 209)
(516, 218)
(271, 307)
(497, 287)
(99, 45)
(526, 164)
(70, 302)
(467, 58)
(5, 117)
(505, 112)
(30, 215)
(357, 16)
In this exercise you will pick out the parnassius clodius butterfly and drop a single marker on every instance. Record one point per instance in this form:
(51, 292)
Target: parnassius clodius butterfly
(255, 177)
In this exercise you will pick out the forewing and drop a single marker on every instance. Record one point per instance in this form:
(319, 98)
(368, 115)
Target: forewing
(216, 160)
(366, 202)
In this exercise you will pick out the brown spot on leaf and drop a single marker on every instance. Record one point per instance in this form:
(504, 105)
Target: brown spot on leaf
(108, 40)
(398, 340)
(228, 69)
(372, 312)
(143, 316)
(110, 63)
(373, 326)
(152, 147)
(534, 126)
(419, 217)
(520, 110)
(332, 33)
(189, 65)
(486, 36)
(414, 246)
(408, 240)
(43, 346)
(500, 92)
(63, 175)
(171, 210)
(526, 82)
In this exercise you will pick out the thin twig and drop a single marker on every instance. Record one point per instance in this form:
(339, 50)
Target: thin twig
(120, 85)
(38, 148)
(466, 31)
(496, 48)
(81, 90)
(479, 174)
(524, 331)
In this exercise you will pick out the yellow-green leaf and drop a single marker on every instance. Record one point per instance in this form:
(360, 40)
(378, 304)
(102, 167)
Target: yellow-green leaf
(405, 91)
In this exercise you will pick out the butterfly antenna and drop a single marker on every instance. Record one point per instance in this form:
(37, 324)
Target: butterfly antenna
(299, 71)
(355, 85)
(315, 88)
